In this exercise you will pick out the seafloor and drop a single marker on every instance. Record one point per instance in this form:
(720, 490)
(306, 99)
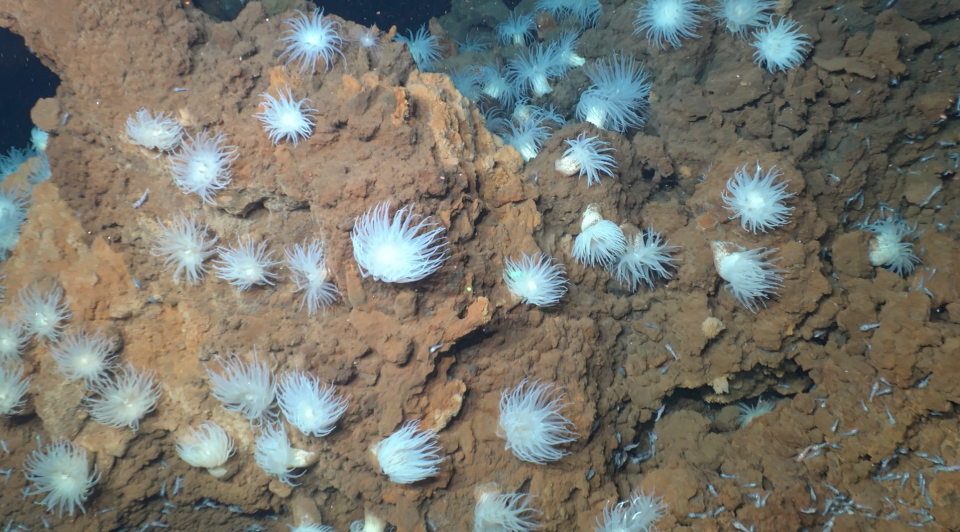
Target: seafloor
(873, 105)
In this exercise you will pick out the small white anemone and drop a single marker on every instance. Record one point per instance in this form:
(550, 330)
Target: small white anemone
(638, 514)
(527, 136)
(308, 268)
(409, 454)
(600, 242)
(668, 21)
(503, 512)
(13, 338)
(284, 118)
(537, 279)
(518, 29)
(202, 166)
(61, 471)
(397, 250)
(81, 355)
(310, 38)
(646, 258)
(39, 139)
(531, 422)
(750, 278)
(13, 389)
(43, 315)
(567, 48)
(424, 48)
(124, 399)
(756, 200)
(246, 388)
(184, 244)
(207, 446)
(740, 16)
(154, 131)
(368, 39)
(748, 413)
(587, 156)
(277, 457)
(311, 406)
(887, 248)
(780, 45)
(245, 265)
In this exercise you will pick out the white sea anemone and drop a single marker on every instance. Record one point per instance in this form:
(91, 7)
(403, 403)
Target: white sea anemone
(368, 39)
(635, 515)
(207, 446)
(84, 356)
(312, 527)
(518, 29)
(311, 38)
(887, 248)
(495, 84)
(618, 97)
(473, 43)
(503, 512)
(467, 81)
(125, 399)
(311, 406)
(246, 388)
(533, 67)
(750, 278)
(401, 250)
(277, 457)
(202, 166)
(668, 21)
(587, 156)
(284, 118)
(14, 202)
(184, 243)
(154, 131)
(424, 48)
(740, 16)
(39, 139)
(531, 423)
(566, 47)
(13, 338)
(61, 471)
(647, 257)
(527, 137)
(245, 265)
(748, 413)
(600, 242)
(756, 200)
(536, 279)
(585, 12)
(409, 454)
(13, 389)
(780, 46)
(308, 269)
(43, 314)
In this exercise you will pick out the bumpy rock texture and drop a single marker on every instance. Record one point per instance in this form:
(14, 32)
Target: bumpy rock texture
(874, 106)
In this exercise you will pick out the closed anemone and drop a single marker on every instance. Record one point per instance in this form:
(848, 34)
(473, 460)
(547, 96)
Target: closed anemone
(82, 355)
(638, 514)
(61, 472)
(202, 166)
(310, 38)
(503, 512)
(668, 21)
(587, 156)
(308, 270)
(537, 279)
(246, 388)
(13, 389)
(757, 200)
(154, 131)
(600, 242)
(207, 446)
(277, 457)
(531, 422)
(646, 258)
(284, 118)
(184, 244)
(750, 277)
(401, 249)
(123, 400)
(311, 406)
(780, 46)
(246, 265)
(409, 454)
(43, 314)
